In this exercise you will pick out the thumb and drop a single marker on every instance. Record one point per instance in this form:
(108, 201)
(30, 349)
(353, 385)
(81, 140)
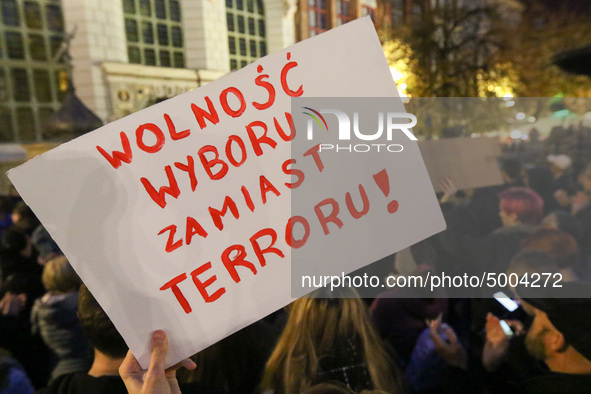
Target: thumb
(159, 350)
(491, 321)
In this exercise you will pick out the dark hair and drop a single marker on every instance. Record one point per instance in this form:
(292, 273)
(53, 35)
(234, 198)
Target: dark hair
(559, 245)
(98, 327)
(23, 210)
(564, 221)
(532, 261)
(13, 240)
(512, 168)
(236, 363)
(43, 242)
(424, 253)
(27, 221)
(540, 179)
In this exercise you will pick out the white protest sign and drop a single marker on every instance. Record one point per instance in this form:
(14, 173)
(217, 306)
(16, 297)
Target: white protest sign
(176, 216)
(470, 162)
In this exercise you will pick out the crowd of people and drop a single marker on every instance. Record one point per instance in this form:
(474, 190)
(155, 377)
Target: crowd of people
(55, 337)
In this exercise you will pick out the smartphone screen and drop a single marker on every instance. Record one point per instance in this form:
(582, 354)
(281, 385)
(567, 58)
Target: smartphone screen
(508, 331)
(507, 302)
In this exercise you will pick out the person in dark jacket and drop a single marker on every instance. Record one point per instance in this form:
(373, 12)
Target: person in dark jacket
(560, 166)
(558, 339)
(109, 351)
(16, 254)
(521, 211)
(540, 179)
(54, 316)
(13, 379)
(400, 315)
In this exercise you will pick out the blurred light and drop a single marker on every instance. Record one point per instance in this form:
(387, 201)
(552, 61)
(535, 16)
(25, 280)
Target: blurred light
(402, 86)
(531, 119)
(523, 137)
(396, 75)
(520, 116)
(515, 134)
(509, 103)
(508, 96)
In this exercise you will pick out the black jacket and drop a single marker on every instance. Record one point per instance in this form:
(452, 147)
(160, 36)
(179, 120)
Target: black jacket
(82, 383)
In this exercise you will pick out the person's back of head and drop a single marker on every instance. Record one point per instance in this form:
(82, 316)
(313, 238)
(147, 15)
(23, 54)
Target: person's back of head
(565, 221)
(44, 245)
(559, 245)
(560, 332)
(322, 330)
(525, 204)
(13, 241)
(511, 168)
(59, 276)
(20, 283)
(236, 363)
(24, 218)
(97, 326)
(15, 254)
(418, 259)
(532, 261)
(540, 180)
(424, 255)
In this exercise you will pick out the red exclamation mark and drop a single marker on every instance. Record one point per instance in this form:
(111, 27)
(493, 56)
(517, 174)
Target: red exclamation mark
(383, 182)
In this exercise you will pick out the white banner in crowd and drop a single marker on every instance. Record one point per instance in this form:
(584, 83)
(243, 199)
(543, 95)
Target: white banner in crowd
(175, 217)
(469, 162)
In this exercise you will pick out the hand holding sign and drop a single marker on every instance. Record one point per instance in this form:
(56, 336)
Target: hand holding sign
(156, 379)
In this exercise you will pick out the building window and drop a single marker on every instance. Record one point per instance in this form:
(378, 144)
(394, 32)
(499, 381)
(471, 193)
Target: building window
(247, 34)
(317, 17)
(343, 11)
(397, 8)
(32, 80)
(154, 32)
(417, 13)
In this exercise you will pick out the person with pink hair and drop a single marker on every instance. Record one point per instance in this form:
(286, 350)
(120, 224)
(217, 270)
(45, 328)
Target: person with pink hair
(520, 209)
(520, 206)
